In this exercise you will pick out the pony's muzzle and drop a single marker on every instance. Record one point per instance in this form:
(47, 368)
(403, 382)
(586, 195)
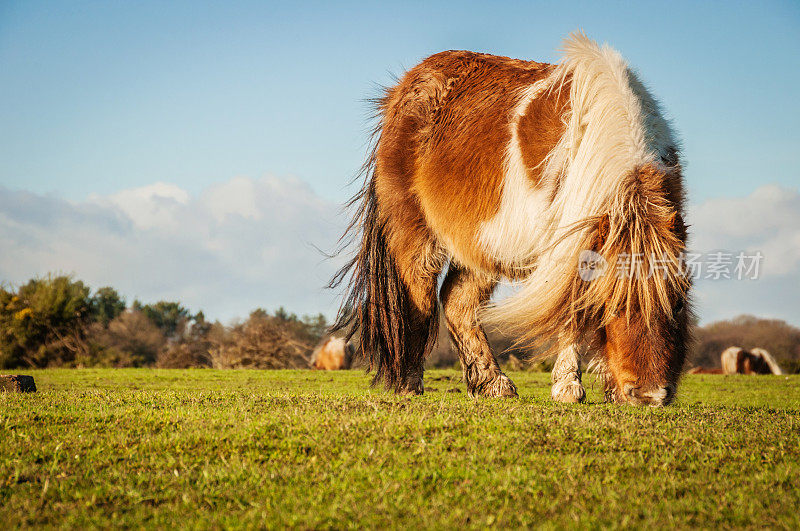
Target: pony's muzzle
(658, 397)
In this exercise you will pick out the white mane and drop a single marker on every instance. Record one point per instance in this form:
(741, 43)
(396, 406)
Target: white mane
(613, 126)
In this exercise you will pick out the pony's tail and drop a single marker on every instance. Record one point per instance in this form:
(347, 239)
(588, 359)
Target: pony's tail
(393, 338)
(768, 359)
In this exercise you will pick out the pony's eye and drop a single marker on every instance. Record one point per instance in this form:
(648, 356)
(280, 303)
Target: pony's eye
(678, 307)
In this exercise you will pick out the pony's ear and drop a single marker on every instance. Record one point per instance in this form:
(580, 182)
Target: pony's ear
(603, 229)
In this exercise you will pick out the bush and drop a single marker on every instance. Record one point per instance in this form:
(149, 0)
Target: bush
(263, 342)
(55, 321)
(106, 305)
(194, 347)
(44, 322)
(130, 340)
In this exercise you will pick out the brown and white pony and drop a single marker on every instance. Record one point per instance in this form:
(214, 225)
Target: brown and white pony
(332, 354)
(736, 360)
(503, 168)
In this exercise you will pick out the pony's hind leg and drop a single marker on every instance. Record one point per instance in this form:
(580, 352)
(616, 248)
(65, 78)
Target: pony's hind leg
(566, 377)
(463, 292)
(391, 301)
(419, 261)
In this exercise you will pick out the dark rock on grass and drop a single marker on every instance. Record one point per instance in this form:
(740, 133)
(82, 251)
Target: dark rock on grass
(17, 383)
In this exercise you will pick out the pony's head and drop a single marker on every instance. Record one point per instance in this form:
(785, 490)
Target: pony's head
(643, 354)
(641, 304)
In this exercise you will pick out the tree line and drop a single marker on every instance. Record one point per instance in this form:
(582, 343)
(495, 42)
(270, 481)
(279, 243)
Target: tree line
(57, 321)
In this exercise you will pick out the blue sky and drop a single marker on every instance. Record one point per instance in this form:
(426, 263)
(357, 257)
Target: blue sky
(117, 113)
(99, 96)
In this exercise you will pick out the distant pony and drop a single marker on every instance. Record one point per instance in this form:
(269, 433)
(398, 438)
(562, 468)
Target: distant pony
(736, 360)
(499, 168)
(332, 354)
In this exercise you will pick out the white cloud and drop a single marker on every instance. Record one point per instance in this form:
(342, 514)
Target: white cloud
(246, 243)
(237, 197)
(767, 220)
(149, 206)
(236, 246)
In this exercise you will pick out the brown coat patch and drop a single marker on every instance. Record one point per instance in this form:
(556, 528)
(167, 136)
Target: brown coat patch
(445, 132)
(541, 127)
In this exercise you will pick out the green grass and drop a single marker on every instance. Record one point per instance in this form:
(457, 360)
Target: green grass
(203, 448)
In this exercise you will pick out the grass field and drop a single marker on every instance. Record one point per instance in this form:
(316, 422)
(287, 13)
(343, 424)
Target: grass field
(204, 448)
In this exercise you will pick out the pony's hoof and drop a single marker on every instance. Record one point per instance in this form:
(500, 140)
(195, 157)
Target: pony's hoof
(411, 387)
(500, 386)
(568, 392)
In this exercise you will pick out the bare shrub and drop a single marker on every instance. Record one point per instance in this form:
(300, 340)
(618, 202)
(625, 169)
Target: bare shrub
(194, 347)
(131, 340)
(261, 342)
(184, 355)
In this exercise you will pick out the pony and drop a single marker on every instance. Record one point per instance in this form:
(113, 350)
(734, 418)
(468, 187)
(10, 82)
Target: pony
(497, 169)
(332, 354)
(736, 360)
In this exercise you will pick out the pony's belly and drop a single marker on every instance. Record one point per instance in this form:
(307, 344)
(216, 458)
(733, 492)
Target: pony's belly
(459, 240)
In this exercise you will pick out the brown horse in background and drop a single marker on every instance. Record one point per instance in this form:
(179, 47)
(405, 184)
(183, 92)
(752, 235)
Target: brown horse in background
(497, 168)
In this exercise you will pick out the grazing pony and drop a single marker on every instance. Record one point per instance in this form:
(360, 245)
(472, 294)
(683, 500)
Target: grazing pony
(502, 168)
(333, 354)
(736, 360)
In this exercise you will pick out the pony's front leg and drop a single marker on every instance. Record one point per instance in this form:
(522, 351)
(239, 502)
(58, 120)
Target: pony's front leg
(462, 294)
(566, 377)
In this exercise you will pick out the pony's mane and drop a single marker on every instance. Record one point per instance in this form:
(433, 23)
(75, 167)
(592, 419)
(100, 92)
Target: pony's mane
(613, 165)
(613, 123)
